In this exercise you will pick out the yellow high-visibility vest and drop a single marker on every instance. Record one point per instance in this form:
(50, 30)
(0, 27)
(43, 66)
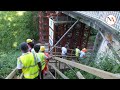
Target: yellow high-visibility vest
(30, 67)
(77, 52)
(42, 58)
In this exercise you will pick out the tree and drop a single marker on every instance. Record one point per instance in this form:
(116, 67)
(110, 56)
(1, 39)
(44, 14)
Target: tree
(16, 27)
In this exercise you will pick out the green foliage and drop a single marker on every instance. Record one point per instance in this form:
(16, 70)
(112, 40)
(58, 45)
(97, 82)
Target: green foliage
(16, 27)
(93, 32)
(8, 62)
(109, 65)
(70, 74)
(106, 64)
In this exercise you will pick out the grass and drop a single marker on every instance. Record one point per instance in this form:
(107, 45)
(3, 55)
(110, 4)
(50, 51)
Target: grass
(8, 61)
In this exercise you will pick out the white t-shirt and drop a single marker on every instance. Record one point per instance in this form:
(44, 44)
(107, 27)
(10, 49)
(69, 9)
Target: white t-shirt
(32, 50)
(82, 54)
(64, 51)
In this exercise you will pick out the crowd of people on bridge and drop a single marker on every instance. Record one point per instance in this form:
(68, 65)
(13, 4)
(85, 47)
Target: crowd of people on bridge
(33, 62)
(80, 54)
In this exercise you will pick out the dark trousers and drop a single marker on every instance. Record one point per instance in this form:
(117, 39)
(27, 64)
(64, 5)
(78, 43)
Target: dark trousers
(77, 58)
(42, 74)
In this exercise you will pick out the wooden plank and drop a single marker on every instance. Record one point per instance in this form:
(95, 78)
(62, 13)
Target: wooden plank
(60, 73)
(94, 71)
(12, 74)
(53, 62)
(66, 56)
(59, 22)
(56, 52)
(51, 74)
(60, 53)
(55, 65)
(79, 75)
(59, 65)
(61, 47)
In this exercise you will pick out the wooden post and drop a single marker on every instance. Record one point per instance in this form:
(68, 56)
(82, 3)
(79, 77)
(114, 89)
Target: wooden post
(55, 71)
(59, 65)
(55, 65)
(71, 52)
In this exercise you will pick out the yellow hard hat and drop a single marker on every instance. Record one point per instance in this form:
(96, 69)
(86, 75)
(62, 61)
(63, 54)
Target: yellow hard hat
(42, 48)
(28, 40)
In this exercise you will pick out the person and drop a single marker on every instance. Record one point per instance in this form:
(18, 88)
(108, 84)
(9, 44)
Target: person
(28, 64)
(83, 54)
(30, 44)
(47, 60)
(40, 54)
(77, 52)
(64, 52)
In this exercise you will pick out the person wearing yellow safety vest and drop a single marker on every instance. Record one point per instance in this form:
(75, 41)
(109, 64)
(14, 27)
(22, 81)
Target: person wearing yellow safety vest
(77, 52)
(40, 53)
(28, 64)
(42, 50)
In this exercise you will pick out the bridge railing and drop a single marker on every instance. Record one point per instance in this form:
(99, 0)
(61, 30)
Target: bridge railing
(97, 72)
(100, 73)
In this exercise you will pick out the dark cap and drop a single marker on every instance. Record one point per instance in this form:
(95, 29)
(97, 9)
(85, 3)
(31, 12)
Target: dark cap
(37, 48)
(24, 46)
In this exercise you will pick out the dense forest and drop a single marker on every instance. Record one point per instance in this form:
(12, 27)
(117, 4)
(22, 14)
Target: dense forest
(16, 27)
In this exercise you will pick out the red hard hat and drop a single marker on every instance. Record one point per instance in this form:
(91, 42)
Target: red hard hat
(84, 50)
